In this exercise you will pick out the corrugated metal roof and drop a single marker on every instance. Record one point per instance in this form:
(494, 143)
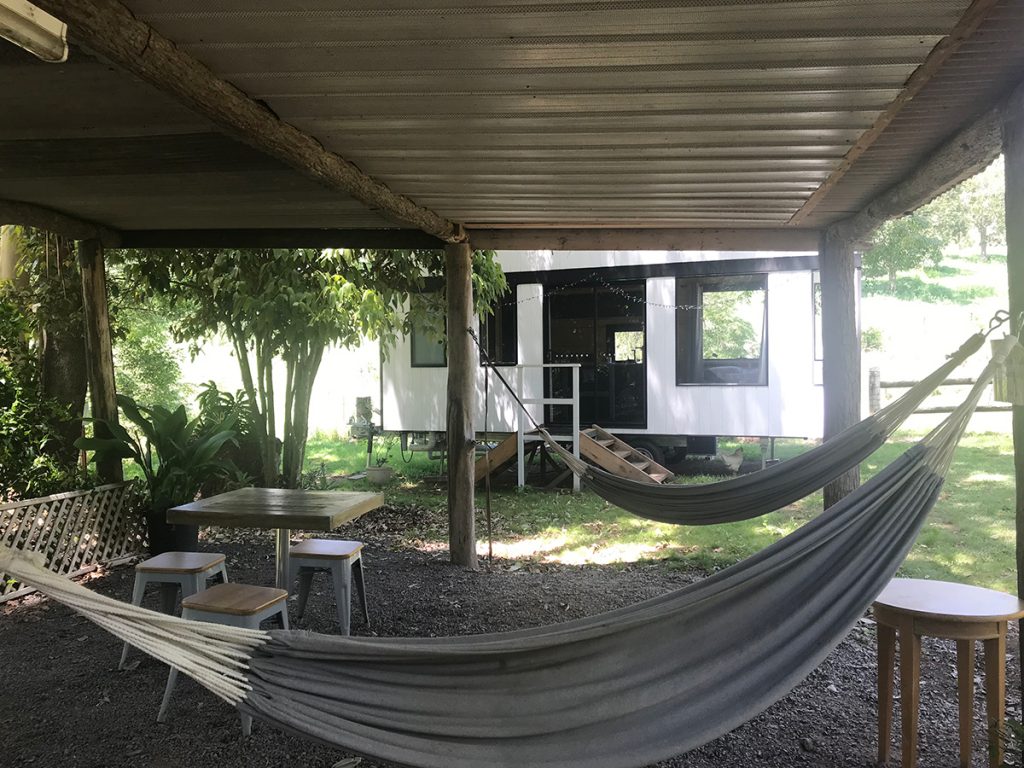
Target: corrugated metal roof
(613, 113)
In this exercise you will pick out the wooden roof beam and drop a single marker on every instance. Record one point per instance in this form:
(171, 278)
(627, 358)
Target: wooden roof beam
(960, 157)
(108, 28)
(29, 215)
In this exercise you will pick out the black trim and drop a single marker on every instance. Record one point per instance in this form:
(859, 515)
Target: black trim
(680, 269)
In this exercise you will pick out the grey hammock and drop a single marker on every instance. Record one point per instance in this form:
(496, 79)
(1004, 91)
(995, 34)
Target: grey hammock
(625, 688)
(753, 495)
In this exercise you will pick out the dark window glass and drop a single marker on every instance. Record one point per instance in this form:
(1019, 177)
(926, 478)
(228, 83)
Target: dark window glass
(722, 330)
(498, 333)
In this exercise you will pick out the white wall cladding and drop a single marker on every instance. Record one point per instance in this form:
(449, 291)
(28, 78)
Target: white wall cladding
(789, 406)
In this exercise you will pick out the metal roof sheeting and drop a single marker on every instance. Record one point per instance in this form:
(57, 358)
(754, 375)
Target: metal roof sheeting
(610, 113)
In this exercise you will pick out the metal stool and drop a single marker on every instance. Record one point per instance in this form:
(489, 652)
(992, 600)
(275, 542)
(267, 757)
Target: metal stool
(342, 559)
(188, 571)
(236, 605)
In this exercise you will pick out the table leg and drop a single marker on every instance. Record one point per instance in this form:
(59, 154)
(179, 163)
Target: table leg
(281, 557)
(965, 694)
(886, 665)
(910, 692)
(995, 694)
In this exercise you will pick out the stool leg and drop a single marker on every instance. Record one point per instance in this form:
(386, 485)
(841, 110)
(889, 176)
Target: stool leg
(172, 680)
(222, 572)
(965, 694)
(283, 616)
(305, 584)
(246, 725)
(193, 585)
(137, 593)
(168, 596)
(910, 692)
(341, 575)
(886, 666)
(995, 694)
(357, 574)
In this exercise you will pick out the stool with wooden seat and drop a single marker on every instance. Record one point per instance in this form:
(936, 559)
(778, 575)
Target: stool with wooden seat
(916, 607)
(187, 571)
(236, 605)
(343, 560)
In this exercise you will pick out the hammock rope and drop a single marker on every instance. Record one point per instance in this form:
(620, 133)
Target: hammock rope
(750, 496)
(621, 689)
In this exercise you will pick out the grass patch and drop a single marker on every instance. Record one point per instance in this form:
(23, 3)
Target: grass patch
(913, 288)
(969, 536)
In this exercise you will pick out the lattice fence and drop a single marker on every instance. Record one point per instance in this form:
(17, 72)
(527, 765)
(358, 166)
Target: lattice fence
(76, 531)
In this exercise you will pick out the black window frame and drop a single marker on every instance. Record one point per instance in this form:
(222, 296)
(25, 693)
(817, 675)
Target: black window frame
(689, 327)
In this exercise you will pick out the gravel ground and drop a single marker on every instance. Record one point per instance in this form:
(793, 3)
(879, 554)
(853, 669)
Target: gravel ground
(64, 703)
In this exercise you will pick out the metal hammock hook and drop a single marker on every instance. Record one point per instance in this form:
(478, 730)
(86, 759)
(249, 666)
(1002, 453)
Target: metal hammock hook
(1000, 318)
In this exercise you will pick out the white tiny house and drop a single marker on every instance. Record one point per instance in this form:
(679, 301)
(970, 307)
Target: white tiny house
(671, 345)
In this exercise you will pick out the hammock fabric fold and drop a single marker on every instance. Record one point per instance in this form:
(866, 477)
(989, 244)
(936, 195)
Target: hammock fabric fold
(625, 688)
(756, 494)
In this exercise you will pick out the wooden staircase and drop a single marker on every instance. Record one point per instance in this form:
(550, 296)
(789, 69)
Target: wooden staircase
(597, 446)
(618, 457)
(499, 457)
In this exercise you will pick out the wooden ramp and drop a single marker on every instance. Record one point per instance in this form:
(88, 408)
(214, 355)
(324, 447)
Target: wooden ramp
(618, 457)
(499, 457)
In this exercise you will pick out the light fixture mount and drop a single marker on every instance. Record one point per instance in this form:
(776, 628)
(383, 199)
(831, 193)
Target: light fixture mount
(33, 29)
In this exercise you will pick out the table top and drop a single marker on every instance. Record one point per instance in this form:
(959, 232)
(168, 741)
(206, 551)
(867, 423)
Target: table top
(949, 601)
(277, 508)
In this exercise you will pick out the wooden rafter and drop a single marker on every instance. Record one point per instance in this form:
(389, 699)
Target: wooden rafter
(27, 214)
(946, 47)
(960, 157)
(109, 29)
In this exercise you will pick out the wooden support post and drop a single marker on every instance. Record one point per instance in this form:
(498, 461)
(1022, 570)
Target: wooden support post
(841, 366)
(99, 351)
(461, 405)
(1013, 151)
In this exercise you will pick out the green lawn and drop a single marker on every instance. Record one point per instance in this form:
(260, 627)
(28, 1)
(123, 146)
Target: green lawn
(969, 536)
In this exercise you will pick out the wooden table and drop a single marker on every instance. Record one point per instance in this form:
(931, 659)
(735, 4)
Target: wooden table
(278, 508)
(916, 607)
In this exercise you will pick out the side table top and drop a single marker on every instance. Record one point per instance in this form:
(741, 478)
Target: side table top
(948, 601)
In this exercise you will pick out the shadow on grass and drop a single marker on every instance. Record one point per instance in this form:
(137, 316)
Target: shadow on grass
(911, 288)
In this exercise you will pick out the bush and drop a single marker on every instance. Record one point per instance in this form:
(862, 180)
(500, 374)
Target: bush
(30, 440)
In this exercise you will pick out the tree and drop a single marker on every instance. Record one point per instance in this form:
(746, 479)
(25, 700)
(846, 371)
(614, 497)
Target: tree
(974, 209)
(148, 367)
(902, 244)
(290, 305)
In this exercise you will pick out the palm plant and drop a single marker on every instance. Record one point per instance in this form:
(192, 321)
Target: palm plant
(177, 455)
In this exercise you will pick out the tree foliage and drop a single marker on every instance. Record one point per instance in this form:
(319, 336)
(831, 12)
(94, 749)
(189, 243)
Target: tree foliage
(32, 462)
(727, 333)
(902, 244)
(148, 366)
(291, 305)
(974, 210)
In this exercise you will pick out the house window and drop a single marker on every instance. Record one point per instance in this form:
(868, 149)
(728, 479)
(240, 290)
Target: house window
(428, 351)
(498, 333)
(722, 330)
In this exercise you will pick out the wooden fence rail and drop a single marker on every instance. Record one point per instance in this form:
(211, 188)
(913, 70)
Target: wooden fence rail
(876, 385)
(75, 531)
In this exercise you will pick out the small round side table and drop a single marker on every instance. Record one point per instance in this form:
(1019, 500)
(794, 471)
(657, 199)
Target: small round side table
(916, 607)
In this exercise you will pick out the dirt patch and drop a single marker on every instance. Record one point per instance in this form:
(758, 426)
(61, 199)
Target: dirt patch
(64, 703)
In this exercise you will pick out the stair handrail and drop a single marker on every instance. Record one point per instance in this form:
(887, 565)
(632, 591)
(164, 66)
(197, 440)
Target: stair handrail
(524, 402)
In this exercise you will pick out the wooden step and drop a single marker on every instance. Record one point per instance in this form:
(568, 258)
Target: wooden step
(618, 457)
(499, 457)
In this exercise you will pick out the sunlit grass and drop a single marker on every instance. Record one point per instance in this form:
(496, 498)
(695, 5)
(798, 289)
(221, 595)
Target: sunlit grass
(969, 536)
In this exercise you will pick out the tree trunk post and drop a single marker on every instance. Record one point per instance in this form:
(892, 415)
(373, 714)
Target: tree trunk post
(99, 350)
(461, 405)
(841, 365)
(1013, 151)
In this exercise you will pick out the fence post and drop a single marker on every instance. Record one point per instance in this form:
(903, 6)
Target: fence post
(874, 390)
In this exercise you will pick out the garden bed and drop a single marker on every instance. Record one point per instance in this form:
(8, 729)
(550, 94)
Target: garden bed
(64, 702)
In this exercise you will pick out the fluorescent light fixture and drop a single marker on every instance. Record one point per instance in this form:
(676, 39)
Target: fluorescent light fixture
(34, 29)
